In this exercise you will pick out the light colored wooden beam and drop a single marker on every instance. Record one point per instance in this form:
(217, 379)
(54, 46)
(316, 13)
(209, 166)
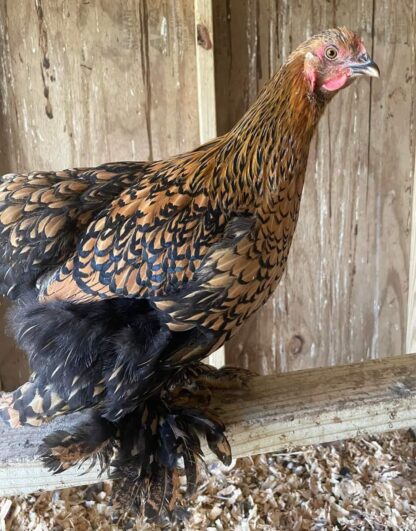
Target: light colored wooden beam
(411, 307)
(205, 70)
(204, 37)
(273, 413)
(322, 405)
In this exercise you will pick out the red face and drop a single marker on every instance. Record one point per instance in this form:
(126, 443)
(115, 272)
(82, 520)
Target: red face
(335, 59)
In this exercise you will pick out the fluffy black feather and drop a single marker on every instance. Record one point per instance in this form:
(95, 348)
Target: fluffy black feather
(98, 354)
(114, 357)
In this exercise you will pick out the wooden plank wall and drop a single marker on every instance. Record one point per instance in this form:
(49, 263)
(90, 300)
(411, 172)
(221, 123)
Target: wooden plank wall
(88, 81)
(344, 297)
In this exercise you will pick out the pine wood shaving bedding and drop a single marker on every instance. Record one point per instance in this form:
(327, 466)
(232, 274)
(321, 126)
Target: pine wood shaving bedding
(357, 484)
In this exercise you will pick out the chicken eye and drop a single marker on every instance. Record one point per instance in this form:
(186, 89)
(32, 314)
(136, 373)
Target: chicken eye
(331, 52)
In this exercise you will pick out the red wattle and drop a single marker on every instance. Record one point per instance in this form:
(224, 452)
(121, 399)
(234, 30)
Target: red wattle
(335, 83)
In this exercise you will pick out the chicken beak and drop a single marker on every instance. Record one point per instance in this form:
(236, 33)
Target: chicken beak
(368, 68)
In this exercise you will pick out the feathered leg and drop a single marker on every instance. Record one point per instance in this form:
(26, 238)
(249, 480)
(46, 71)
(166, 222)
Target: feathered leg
(224, 378)
(95, 440)
(153, 445)
(198, 379)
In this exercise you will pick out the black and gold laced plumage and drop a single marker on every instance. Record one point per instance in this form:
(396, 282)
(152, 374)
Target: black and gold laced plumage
(128, 274)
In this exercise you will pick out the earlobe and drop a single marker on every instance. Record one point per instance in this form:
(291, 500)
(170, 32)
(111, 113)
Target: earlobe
(310, 70)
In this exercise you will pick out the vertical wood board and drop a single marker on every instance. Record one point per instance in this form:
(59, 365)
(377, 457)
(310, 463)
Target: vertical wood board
(204, 44)
(411, 308)
(392, 158)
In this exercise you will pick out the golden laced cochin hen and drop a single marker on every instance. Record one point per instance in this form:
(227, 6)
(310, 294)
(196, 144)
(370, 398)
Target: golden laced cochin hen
(126, 275)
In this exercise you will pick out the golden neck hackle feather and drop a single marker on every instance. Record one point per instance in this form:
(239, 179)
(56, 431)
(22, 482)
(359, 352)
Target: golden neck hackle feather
(266, 145)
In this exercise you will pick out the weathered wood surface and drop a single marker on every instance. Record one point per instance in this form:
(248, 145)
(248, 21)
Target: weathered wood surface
(411, 308)
(205, 45)
(275, 412)
(392, 158)
(344, 296)
(86, 82)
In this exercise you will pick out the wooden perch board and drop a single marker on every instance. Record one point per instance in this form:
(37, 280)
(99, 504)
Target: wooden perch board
(274, 413)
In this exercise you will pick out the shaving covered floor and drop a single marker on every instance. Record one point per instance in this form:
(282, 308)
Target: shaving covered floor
(357, 484)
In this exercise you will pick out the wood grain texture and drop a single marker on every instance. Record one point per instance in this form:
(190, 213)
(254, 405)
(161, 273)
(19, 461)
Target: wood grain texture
(86, 82)
(275, 412)
(204, 44)
(392, 159)
(207, 115)
(411, 307)
(345, 290)
(119, 78)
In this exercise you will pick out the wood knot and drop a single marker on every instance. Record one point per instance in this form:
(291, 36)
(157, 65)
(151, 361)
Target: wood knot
(203, 38)
(295, 344)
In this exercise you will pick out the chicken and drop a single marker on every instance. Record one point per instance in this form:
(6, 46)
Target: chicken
(127, 275)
